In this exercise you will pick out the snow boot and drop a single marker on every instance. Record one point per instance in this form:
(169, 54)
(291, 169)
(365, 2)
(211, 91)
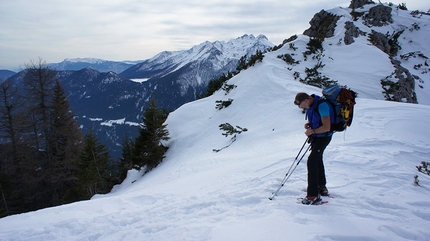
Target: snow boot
(324, 191)
(310, 200)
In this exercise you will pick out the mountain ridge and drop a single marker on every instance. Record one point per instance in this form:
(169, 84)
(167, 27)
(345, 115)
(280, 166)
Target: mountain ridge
(97, 64)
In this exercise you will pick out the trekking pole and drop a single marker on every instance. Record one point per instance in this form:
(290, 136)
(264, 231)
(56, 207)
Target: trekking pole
(288, 174)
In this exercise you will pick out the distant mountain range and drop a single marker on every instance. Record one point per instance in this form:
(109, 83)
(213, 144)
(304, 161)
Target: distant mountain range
(113, 102)
(97, 64)
(5, 74)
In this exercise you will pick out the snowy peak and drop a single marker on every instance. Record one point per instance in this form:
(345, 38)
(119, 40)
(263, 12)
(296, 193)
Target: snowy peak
(221, 52)
(248, 39)
(84, 60)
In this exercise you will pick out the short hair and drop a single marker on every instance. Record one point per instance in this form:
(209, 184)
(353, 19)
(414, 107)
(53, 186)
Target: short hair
(300, 97)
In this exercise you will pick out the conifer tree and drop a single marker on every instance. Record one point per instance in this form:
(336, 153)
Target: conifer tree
(126, 159)
(242, 64)
(94, 171)
(149, 150)
(66, 142)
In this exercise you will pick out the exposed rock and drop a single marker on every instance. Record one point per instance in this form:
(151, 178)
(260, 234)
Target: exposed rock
(380, 41)
(359, 3)
(378, 16)
(290, 39)
(386, 43)
(403, 90)
(322, 24)
(351, 32)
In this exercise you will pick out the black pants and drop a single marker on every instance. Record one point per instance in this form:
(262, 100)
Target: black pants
(316, 172)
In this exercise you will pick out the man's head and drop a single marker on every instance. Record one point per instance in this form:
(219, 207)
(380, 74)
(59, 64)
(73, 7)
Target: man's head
(302, 100)
(300, 97)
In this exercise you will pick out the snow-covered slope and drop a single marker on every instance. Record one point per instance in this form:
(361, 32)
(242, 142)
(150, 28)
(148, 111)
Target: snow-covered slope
(363, 65)
(199, 194)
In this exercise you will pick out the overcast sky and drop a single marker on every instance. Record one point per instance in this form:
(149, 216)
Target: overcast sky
(139, 29)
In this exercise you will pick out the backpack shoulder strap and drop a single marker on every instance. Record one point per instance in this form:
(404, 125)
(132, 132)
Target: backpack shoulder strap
(321, 101)
(332, 110)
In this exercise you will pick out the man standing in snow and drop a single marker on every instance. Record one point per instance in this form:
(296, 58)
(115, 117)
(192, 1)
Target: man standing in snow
(319, 114)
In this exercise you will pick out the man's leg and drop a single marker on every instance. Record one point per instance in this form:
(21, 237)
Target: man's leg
(321, 170)
(312, 165)
(316, 172)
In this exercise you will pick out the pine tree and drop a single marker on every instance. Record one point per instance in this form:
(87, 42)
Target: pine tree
(94, 171)
(66, 141)
(149, 150)
(242, 64)
(126, 159)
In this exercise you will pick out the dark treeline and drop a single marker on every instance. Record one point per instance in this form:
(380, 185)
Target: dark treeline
(46, 161)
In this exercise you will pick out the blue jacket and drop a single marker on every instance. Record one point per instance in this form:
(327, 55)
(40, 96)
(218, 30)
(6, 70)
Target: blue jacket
(314, 115)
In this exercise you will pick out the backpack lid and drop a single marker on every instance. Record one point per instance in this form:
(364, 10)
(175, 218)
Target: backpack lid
(332, 92)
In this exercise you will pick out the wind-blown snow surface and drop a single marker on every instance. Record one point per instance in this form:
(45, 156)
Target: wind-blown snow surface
(198, 194)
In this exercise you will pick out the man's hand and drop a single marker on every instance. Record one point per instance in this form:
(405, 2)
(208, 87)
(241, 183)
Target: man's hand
(309, 131)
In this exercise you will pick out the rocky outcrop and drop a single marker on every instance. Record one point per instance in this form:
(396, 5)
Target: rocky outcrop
(380, 41)
(322, 24)
(401, 90)
(378, 16)
(388, 44)
(359, 3)
(351, 32)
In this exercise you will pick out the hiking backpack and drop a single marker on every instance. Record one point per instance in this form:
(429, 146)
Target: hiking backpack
(342, 100)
